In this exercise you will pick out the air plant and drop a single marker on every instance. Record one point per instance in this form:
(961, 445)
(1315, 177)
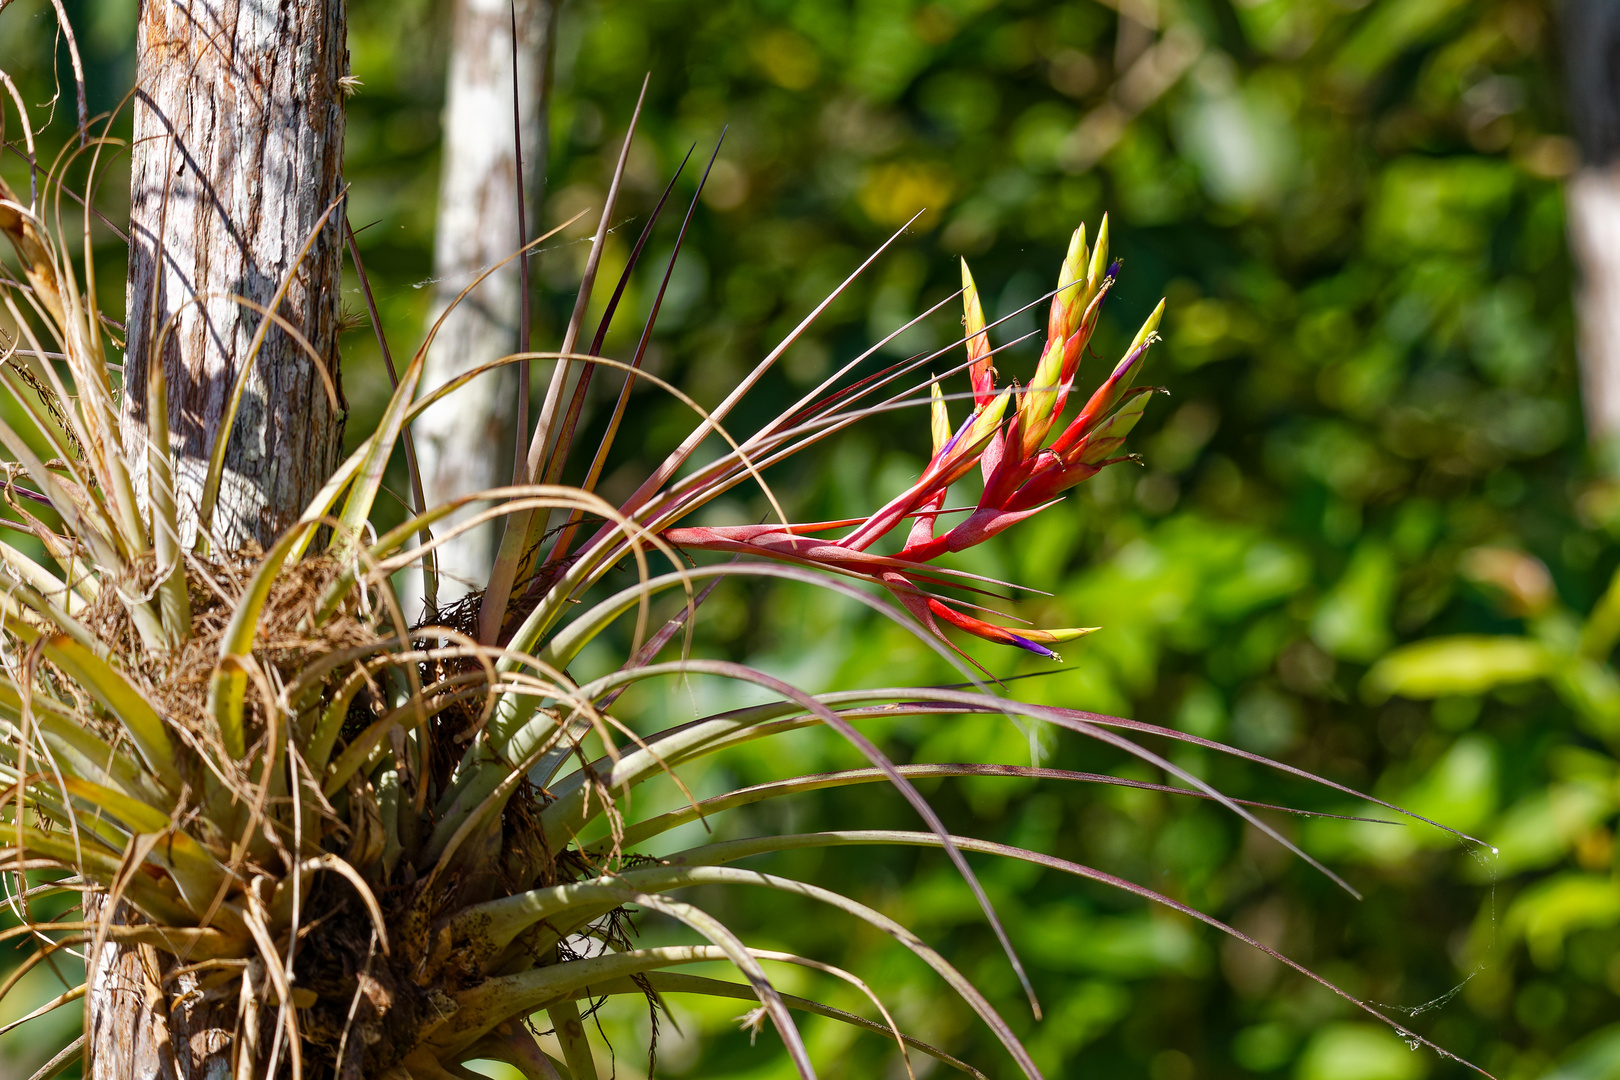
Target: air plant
(360, 842)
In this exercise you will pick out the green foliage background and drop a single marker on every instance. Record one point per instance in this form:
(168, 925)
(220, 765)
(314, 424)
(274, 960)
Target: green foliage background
(1355, 212)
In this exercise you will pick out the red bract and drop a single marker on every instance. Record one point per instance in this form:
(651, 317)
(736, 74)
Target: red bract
(1023, 474)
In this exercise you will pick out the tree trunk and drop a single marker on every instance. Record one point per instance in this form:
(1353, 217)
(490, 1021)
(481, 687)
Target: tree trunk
(238, 148)
(465, 442)
(237, 153)
(1592, 53)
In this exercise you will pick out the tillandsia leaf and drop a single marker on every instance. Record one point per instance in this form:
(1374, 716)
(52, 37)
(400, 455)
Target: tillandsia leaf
(368, 480)
(196, 873)
(818, 402)
(366, 466)
(522, 992)
(854, 981)
(430, 576)
(67, 997)
(647, 965)
(1088, 723)
(514, 1045)
(656, 643)
(123, 702)
(564, 646)
(97, 863)
(565, 815)
(318, 748)
(670, 982)
(870, 751)
(33, 251)
(818, 409)
(324, 499)
(361, 753)
(642, 831)
(55, 430)
(512, 915)
(726, 729)
(516, 534)
(576, 403)
(27, 613)
(711, 733)
(281, 910)
(74, 750)
(576, 1046)
(627, 537)
(527, 989)
(729, 851)
(1101, 720)
(227, 686)
(565, 539)
(100, 545)
(709, 482)
(644, 494)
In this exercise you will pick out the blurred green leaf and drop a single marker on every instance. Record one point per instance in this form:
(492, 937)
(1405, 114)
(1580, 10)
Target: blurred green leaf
(1545, 914)
(1457, 666)
(1359, 1052)
(1352, 620)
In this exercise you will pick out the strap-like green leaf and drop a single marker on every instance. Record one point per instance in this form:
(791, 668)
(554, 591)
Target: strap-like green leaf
(120, 698)
(196, 873)
(675, 982)
(227, 689)
(378, 448)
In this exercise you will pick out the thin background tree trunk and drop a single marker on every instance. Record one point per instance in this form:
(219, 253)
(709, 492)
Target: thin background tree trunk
(238, 148)
(464, 443)
(1592, 201)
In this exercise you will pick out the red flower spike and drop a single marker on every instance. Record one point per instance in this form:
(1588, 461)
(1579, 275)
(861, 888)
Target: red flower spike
(1047, 405)
(1109, 436)
(922, 529)
(1075, 305)
(1020, 477)
(947, 468)
(990, 459)
(1011, 471)
(1095, 273)
(1029, 640)
(1051, 482)
(978, 342)
(1111, 389)
(1070, 299)
(939, 418)
(980, 526)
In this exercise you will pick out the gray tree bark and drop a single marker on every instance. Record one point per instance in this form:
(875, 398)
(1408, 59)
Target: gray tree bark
(464, 443)
(237, 154)
(1592, 201)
